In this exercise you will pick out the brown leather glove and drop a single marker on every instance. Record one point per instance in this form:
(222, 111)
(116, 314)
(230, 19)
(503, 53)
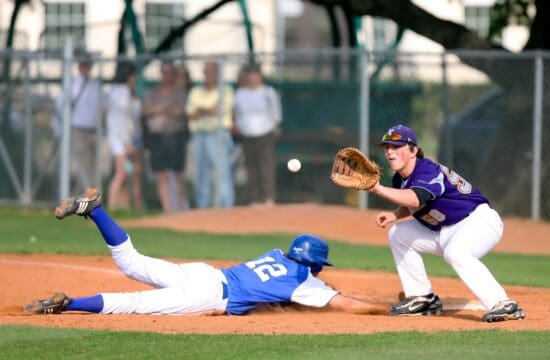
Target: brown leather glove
(352, 169)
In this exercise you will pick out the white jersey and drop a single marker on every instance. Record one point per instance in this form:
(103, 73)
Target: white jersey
(257, 111)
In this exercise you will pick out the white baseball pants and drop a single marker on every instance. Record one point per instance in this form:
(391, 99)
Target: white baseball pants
(461, 245)
(186, 289)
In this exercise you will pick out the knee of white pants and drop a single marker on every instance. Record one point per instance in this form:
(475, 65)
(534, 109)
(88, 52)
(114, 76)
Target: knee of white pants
(126, 257)
(454, 255)
(449, 256)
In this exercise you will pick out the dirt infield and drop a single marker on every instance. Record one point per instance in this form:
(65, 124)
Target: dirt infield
(333, 222)
(27, 277)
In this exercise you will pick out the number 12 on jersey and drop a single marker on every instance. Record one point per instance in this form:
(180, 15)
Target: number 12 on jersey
(266, 268)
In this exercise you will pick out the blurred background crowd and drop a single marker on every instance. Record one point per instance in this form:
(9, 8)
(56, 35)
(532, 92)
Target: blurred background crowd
(189, 136)
(174, 105)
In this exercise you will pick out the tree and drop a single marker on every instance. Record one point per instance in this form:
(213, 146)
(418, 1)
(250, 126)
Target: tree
(509, 169)
(5, 82)
(450, 34)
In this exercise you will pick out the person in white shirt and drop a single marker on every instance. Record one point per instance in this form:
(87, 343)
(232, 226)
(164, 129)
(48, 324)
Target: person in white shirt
(86, 110)
(257, 113)
(124, 133)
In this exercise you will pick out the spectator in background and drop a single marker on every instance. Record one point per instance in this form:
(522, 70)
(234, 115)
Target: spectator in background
(164, 112)
(210, 123)
(184, 82)
(86, 105)
(257, 114)
(241, 76)
(237, 156)
(183, 78)
(124, 133)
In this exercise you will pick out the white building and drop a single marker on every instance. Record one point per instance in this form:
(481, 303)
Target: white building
(474, 14)
(44, 23)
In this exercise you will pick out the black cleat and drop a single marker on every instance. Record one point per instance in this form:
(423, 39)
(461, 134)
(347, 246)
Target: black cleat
(79, 205)
(504, 310)
(52, 305)
(417, 306)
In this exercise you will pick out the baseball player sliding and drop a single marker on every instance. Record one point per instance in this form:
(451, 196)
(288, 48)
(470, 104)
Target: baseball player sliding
(198, 288)
(450, 218)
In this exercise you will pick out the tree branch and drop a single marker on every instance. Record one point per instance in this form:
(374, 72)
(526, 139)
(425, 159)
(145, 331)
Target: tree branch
(446, 33)
(178, 32)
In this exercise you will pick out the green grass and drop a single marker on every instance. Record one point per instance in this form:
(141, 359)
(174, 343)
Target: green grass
(23, 342)
(37, 232)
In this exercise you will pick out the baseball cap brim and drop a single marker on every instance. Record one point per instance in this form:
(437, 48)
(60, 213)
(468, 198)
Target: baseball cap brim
(394, 142)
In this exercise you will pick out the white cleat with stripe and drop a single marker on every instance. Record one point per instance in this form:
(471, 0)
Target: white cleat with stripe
(79, 205)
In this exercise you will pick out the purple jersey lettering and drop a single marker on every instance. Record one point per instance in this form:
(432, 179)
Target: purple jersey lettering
(453, 198)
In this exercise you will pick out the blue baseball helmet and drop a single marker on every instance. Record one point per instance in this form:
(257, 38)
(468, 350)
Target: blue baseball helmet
(311, 251)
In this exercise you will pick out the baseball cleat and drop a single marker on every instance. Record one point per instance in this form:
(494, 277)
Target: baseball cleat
(52, 305)
(504, 310)
(417, 306)
(79, 205)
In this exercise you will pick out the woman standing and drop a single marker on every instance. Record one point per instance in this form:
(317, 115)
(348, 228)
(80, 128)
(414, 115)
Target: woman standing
(124, 133)
(257, 115)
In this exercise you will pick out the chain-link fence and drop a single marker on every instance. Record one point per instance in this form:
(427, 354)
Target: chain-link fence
(481, 113)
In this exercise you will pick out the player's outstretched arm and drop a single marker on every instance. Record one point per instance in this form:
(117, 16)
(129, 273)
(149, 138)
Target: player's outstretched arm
(353, 305)
(401, 197)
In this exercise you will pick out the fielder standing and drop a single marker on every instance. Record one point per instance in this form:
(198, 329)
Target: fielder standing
(451, 218)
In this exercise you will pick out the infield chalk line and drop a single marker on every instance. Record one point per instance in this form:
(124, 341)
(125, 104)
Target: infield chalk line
(59, 266)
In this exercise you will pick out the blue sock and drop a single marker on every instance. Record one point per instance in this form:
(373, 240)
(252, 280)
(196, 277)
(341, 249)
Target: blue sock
(111, 231)
(90, 304)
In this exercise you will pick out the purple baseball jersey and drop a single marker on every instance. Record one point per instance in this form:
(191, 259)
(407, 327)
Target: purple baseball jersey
(453, 198)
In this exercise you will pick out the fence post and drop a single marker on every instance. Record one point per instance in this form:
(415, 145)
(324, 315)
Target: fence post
(99, 129)
(364, 116)
(27, 161)
(444, 86)
(445, 110)
(537, 137)
(220, 148)
(64, 168)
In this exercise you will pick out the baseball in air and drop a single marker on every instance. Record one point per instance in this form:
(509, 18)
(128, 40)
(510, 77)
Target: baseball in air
(294, 165)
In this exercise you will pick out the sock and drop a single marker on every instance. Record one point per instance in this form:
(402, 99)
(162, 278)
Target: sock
(90, 304)
(112, 233)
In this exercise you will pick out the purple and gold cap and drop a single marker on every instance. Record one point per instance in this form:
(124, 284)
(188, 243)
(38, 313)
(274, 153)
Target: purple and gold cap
(399, 135)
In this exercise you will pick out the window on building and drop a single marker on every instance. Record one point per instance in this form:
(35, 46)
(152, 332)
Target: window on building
(64, 18)
(383, 34)
(477, 18)
(160, 18)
